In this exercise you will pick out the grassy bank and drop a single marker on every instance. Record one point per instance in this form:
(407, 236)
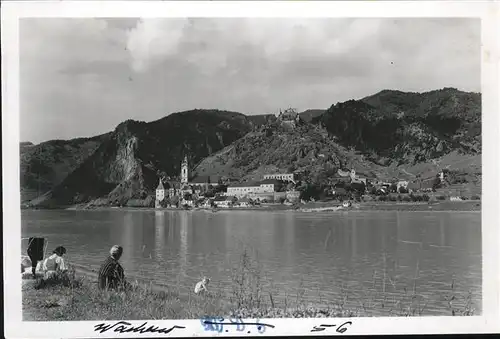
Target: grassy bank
(76, 297)
(469, 205)
(464, 206)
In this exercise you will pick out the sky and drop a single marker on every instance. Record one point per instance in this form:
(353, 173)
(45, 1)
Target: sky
(81, 77)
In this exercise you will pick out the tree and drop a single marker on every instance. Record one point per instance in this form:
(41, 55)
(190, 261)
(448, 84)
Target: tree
(310, 191)
(393, 188)
(402, 190)
(436, 183)
(175, 200)
(165, 202)
(210, 193)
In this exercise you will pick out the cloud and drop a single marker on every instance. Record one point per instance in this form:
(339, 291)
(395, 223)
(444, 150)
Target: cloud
(75, 72)
(152, 39)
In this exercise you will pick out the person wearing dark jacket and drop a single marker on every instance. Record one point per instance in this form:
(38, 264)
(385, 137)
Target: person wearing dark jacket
(35, 252)
(111, 274)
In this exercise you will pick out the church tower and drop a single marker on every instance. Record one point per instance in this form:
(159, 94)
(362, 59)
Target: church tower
(160, 194)
(184, 171)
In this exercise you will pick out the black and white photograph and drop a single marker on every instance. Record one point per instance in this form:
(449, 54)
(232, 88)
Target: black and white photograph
(237, 170)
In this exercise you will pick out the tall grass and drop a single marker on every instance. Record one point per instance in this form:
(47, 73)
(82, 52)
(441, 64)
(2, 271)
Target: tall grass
(70, 297)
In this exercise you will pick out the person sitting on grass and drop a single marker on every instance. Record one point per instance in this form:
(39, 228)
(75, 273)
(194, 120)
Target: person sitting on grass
(55, 264)
(111, 274)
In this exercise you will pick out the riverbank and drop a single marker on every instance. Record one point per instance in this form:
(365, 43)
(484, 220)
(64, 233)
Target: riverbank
(442, 206)
(75, 297)
(330, 206)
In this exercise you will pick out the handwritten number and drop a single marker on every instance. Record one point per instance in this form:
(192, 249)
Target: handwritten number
(217, 324)
(317, 329)
(239, 324)
(260, 328)
(342, 328)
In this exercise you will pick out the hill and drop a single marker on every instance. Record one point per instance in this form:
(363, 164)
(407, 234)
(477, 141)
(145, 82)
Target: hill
(276, 148)
(47, 164)
(310, 114)
(407, 128)
(128, 162)
(388, 135)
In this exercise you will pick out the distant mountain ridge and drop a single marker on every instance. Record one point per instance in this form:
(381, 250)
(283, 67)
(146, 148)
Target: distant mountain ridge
(126, 163)
(408, 127)
(383, 135)
(310, 114)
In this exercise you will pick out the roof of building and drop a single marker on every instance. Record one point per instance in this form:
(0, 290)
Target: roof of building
(413, 185)
(343, 173)
(206, 179)
(160, 186)
(428, 183)
(358, 180)
(172, 185)
(245, 184)
(269, 181)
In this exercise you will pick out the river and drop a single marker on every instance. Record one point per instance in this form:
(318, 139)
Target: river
(320, 256)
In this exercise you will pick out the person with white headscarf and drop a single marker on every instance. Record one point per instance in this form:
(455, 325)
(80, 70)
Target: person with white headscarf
(55, 263)
(111, 274)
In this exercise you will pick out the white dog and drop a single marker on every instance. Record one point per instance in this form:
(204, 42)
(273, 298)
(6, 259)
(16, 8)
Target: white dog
(201, 286)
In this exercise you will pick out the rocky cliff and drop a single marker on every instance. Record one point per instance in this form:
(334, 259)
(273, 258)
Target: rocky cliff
(127, 163)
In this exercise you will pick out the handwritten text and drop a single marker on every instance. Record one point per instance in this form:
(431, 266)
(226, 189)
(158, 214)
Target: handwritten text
(340, 329)
(126, 327)
(217, 324)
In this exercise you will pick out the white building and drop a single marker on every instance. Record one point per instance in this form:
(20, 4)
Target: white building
(284, 177)
(160, 194)
(402, 183)
(223, 203)
(244, 189)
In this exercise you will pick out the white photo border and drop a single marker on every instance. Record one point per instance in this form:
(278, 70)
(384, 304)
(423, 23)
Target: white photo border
(488, 12)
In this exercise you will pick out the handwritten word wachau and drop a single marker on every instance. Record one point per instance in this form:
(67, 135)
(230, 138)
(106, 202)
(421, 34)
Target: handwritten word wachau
(126, 327)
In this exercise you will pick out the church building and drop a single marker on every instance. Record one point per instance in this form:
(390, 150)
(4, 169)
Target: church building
(196, 186)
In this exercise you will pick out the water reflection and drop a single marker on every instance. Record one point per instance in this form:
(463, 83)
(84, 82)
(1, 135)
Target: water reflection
(441, 231)
(159, 235)
(289, 236)
(354, 238)
(127, 240)
(183, 240)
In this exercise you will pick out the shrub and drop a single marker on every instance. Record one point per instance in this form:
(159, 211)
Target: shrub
(425, 197)
(406, 198)
(382, 198)
(399, 197)
(464, 198)
(475, 197)
(66, 279)
(393, 198)
(440, 197)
